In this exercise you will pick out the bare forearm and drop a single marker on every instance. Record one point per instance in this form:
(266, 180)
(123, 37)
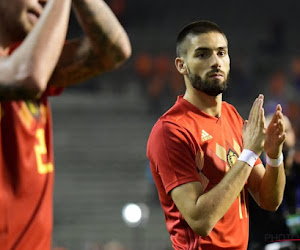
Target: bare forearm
(32, 64)
(272, 188)
(49, 37)
(107, 37)
(273, 182)
(213, 205)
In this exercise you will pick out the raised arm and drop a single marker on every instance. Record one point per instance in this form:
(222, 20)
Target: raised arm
(267, 184)
(203, 210)
(105, 46)
(26, 72)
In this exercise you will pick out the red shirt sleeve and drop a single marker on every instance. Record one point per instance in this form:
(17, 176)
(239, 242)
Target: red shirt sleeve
(53, 91)
(172, 153)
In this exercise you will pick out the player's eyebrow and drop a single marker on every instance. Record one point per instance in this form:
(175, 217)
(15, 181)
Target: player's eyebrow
(206, 49)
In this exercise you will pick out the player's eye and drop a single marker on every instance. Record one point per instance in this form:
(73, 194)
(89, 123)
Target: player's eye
(222, 53)
(202, 55)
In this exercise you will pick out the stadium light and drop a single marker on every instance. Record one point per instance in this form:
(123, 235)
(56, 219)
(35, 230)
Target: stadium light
(135, 215)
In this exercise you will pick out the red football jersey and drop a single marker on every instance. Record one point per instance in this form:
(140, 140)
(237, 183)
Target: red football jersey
(187, 145)
(26, 174)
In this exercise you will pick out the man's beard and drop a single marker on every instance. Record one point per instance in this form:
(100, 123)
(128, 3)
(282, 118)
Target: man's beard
(211, 88)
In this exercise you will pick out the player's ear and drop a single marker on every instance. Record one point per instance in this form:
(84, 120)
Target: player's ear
(181, 65)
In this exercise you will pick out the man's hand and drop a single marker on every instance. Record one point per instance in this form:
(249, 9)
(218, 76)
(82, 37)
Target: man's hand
(275, 135)
(254, 130)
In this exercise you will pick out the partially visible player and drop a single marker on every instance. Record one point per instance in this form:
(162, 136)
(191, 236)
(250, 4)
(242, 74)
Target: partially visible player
(35, 62)
(204, 158)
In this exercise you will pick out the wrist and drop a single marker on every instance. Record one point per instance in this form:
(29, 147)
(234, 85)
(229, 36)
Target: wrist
(248, 157)
(274, 162)
(273, 152)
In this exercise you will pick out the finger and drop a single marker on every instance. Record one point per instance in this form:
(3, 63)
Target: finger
(283, 137)
(280, 115)
(262, 119)
(281, 125)
(252, 109)
(260, 113)
(278, 107)
(261, 103)
(261, 96)
(254, 113)
(278, 111)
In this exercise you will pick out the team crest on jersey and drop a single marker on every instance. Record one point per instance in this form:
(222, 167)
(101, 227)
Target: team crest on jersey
(231, 157)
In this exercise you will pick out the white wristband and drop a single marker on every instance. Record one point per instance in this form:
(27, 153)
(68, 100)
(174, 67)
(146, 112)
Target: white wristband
(248, 156)
(274, 162)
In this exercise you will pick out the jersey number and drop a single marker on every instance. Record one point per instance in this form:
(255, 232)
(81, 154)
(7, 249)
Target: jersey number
(242, 195)
(40, 150)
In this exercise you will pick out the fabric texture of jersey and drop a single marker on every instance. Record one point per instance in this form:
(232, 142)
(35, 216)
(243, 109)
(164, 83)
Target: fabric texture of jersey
(26, 174)
(187, 145)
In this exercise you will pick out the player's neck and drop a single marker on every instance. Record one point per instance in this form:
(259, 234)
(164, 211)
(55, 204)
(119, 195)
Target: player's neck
(210, 105)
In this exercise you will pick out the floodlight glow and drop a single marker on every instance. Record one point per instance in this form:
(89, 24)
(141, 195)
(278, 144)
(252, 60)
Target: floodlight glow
(135, 214)
(132, 213)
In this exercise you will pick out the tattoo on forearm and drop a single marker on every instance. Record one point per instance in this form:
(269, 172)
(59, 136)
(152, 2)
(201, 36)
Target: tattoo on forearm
(101, 26)
(79, 70)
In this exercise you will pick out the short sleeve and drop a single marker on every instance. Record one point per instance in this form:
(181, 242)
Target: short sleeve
(53, 91)
(172, 154)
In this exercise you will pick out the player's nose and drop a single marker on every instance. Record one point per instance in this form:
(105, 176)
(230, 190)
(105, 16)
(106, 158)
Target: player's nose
(43, 2)
(215, 61)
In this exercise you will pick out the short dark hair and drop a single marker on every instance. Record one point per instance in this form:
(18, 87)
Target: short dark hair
(195, 28)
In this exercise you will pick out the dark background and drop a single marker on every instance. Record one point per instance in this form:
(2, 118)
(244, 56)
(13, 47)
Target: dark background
(101, 127)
